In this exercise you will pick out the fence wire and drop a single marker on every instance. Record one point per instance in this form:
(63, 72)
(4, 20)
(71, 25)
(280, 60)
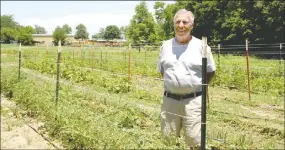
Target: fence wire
(38, 56)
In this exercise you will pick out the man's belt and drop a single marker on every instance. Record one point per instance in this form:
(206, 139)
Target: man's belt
(180, 97)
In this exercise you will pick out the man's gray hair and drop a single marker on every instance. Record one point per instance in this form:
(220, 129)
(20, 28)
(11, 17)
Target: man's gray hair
(182, 11)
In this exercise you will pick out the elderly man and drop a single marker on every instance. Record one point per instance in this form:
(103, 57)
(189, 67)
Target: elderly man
(180, 63)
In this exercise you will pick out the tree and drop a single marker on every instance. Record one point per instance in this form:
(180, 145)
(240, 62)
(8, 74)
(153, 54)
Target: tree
(81, 32)
(123, 32)
(228, 22)
(95, 36)
(25, 35)
(39, 30)
(67, 29)
(8, 21)
(270, 21)
(112, 32)
(9, 29)
(59, 34)
(29, 29)
(25, 38)
(159, 11)
(123, 29)
(101, 32)
(99, 35)
(160, 19)
(141, 28)
(8, 34)
(166, 19)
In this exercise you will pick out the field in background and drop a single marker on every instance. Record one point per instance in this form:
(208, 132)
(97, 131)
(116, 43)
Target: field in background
(99, 106)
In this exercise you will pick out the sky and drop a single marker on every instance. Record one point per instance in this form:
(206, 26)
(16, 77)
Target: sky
(93, 14)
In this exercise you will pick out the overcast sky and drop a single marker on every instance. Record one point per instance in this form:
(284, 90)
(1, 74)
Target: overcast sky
(93, 14)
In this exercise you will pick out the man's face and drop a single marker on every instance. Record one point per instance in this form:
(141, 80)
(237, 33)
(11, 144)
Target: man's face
(182, 25)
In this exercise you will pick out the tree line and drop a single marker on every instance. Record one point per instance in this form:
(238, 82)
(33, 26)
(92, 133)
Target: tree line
(223, 22)
(13, 31)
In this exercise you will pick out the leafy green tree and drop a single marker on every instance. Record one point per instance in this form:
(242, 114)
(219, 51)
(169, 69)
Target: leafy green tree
(25, 35)
(142, 26)
(99, 35)
(9, 28)
(29, 29)
(67, 29)
(160, 19)
(230, 22)
(123, 29)
(8, 21)
(25, 38)
(168, 16)
(8, 34)
(269, 21)
(59, 34)
(112, 32)
(81, 32)
(95, 36)
(206, 18)
(39, 30)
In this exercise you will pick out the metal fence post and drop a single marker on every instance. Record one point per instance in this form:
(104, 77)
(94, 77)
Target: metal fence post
(219, 48)
(204, 94)
(280, 58)
(247, 64)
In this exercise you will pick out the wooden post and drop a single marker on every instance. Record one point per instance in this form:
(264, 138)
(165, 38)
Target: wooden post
(247, 65)
(219, 48)
(129, 68)
(57, 73)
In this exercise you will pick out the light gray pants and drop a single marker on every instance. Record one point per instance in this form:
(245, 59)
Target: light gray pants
(186, 114)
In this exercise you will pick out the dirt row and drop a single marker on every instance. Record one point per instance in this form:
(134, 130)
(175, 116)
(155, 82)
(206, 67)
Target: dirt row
(21, 132)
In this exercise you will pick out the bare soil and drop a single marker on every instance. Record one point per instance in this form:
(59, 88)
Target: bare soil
(21, 132)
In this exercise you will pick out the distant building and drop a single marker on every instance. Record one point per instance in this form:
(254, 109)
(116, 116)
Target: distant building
(48, 39)
(102, 42)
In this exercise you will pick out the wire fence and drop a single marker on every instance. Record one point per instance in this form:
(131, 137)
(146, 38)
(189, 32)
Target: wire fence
(90, 58)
